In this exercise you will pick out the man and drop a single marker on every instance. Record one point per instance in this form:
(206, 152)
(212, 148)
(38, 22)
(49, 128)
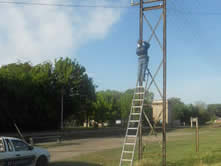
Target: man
(143, 59)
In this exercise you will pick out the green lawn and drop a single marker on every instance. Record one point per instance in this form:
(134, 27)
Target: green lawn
(180, 151)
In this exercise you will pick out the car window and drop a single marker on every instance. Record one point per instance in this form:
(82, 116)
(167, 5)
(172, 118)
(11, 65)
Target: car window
(20, 145)
(9, 145)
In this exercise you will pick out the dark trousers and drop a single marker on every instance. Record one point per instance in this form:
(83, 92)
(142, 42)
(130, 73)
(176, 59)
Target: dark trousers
(142, 67)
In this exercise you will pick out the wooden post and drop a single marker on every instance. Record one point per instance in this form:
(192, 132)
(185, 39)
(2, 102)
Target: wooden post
(19, 132)
(141, 142)
(62, 109)
(59, 140)
(140, 132)
(31, 141)
(197, 136)
(191, 122)
(164, 82)
(197, 132)
(140, 81)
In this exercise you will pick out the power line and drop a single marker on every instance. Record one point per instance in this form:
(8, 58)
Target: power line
(172, 10)
(62, 5)
(182, 12)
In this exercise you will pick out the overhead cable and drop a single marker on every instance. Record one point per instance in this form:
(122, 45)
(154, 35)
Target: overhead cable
(62, 5)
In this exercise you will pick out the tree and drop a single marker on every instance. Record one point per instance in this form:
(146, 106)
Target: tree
(68, 75)
(177, 108)
(214, 110)
(30, 95)
(101, 107)
(203, 113)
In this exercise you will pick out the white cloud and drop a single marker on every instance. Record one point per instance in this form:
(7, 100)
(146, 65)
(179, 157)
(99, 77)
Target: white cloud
(37, 34)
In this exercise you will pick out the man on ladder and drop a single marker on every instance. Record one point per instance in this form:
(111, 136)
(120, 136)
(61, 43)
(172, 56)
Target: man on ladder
(134, 126)
(143, 58)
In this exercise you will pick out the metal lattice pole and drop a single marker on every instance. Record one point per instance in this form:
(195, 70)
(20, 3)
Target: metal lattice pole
(146, 5)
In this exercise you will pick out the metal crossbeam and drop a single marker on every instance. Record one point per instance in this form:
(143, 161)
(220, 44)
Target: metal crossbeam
(148, 121)
(153, 7)
(145, 2)
(154, 29)
(158, 89)
(155, 74)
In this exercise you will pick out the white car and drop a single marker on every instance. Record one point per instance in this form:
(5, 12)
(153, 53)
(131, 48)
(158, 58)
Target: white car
(15, 152)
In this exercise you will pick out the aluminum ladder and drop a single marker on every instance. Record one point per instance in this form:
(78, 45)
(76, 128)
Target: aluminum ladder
(130, 140)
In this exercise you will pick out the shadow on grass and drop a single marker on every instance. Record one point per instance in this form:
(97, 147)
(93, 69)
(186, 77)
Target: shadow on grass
(73, 163)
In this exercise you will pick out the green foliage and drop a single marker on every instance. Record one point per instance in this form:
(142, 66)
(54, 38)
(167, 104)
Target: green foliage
(30, 95)
(114, 105)
(178, 108)
(107, 106)
(214, 109)
(183, 112)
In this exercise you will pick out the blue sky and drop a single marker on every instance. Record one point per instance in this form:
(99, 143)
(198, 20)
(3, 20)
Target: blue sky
(104, 41)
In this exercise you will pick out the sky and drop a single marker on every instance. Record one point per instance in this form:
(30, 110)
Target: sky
(104, 41)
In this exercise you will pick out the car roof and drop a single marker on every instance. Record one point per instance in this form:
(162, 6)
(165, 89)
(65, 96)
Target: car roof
(11, 138)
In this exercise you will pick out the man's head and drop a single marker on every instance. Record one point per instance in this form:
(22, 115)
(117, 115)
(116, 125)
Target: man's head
(139, 43)
(146, 44)
(143, 43)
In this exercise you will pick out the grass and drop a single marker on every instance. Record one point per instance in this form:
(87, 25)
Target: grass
(180, 151)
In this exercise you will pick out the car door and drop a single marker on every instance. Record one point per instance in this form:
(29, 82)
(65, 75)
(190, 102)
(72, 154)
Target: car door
(24, 155)
(6, 153)
(3, 153)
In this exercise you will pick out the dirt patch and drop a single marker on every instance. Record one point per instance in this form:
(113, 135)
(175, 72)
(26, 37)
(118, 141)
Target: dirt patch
(83, 146)
(73, 148)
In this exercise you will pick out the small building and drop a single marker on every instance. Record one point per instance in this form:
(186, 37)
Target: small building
(218, 120)
(157, 107)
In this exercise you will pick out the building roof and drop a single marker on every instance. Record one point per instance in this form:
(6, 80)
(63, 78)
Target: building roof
(158, 102)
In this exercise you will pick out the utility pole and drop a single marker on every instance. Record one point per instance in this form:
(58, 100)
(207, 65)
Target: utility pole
(134, 126)
(164, 83)
(151, 5)
(141, 23)
(62, 109)
(140, 146)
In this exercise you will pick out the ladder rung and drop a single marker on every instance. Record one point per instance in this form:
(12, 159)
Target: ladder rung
(127, 151)
(129, 143)
(134, 121)
(139, 93)
(132, 128)
(132, 136)
(126, 160)
(137, 106)
(138, 99)
(140, 87)
(135, 113)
